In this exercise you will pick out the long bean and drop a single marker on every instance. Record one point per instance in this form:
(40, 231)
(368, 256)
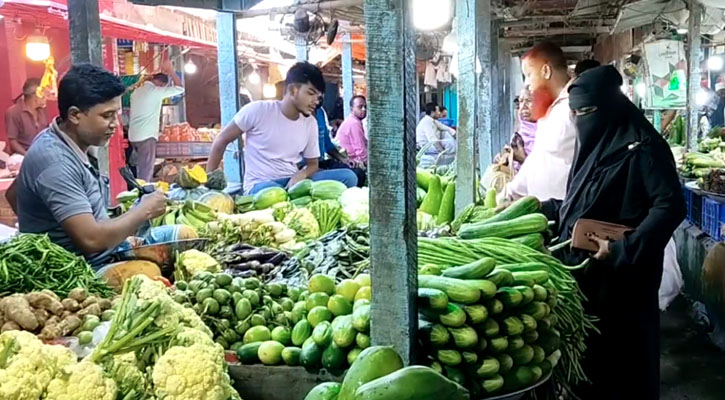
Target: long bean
(32, 262)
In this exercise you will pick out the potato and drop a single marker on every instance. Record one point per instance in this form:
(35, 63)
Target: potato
(10, 326)
(71, 304)
(88, 301)
(41, 315)
(104, 303)
(93, 309)
(78, 294)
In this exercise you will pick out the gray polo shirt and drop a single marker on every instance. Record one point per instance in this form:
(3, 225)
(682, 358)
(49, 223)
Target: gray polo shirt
(56, 182)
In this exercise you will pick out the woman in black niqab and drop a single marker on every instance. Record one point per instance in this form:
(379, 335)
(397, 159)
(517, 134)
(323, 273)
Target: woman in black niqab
(623, 173)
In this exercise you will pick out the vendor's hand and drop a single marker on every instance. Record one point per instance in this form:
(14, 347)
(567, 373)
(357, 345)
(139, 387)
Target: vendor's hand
(154, 205)
(603, 252)
(356, 164)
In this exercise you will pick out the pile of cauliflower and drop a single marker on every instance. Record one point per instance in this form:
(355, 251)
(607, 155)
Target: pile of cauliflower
(186, 364)
(282, 226)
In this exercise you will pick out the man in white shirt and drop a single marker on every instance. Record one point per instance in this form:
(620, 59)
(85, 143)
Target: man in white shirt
(545, 172)
(280, 135)
(145, 123)
(436, 137)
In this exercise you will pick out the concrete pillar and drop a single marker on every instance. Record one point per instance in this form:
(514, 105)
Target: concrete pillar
(348, 85)
(693, 71)
(227, 61)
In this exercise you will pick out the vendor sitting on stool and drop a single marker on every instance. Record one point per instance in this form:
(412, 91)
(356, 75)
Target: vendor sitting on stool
(60, 191)
(279, 134)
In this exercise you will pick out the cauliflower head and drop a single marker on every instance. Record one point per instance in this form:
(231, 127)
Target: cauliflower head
(196, 372)
(304, 223)
(194, 261)
(31, 365)
(124, 370)
(190, 337)
(82, 381)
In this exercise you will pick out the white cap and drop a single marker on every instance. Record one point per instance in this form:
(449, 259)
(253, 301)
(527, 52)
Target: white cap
(719, 86)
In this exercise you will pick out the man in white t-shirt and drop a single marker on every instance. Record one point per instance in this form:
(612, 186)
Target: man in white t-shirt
(438, 138)
(145, 123)
(279, 135)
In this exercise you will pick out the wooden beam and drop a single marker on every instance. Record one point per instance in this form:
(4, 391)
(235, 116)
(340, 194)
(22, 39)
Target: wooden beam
(528, 33)
(226, 25)
(348, 84)
(547, 19)
(219, 5)
(310, 5)
(484, 87)
(466, 17)
(393, 235)
(693, 71)
(84, 24)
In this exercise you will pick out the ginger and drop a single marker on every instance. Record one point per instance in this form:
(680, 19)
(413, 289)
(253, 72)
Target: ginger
(45, 301)
(17, 309)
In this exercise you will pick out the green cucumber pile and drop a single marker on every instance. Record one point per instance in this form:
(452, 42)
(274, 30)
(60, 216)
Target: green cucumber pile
(489, 328)
(531, 289)
(327, 327)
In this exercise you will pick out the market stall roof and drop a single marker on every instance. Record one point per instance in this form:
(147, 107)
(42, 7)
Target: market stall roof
(55, 14)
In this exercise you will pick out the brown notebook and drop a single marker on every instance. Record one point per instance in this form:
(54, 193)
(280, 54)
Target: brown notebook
(604, 230)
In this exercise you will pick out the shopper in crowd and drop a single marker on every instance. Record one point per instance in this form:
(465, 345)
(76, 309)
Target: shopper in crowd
(522, 141)
(717, 118)
(623, 173)
(436, 138)
(585, 65)
(545, 171)
(25, 119)
(330, 156)
(144, 124)
(280, 134)
(351, 134)
(444, 119)
(60, 190)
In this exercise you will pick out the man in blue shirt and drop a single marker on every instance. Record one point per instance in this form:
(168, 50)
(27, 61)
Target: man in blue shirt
(330, 156)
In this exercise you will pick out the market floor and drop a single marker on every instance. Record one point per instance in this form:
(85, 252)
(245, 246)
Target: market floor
(691, 368)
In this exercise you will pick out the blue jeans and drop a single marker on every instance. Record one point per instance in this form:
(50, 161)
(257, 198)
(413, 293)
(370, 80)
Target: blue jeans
(345, 176)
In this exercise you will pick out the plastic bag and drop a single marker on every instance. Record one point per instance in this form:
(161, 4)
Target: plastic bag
(672, 282)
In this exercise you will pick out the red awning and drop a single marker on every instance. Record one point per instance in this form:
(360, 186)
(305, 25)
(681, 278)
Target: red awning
(55, 14)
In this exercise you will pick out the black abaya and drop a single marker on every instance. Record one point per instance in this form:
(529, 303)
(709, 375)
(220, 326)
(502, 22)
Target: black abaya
(623, 173)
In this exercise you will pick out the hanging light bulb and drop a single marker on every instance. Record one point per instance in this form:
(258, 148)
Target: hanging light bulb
(254, 78)
(702, 97)
(37, 47)
(430, 15)
(269, 91)
(190, 67)
(682, 31)
(715, 63)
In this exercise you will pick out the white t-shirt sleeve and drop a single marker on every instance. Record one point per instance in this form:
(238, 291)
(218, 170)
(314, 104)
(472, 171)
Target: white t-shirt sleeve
(248, 117)
(312, 150)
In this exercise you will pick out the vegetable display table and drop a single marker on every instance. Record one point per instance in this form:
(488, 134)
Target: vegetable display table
(259, 382)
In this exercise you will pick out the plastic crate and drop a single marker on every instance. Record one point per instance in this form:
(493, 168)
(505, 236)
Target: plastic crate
(183, 149)
(694, 207)
(713, 219)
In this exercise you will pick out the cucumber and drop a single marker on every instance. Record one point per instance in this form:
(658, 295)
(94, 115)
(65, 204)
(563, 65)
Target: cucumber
(475, 270)
(248, 353)
(301, 332)
(490, 328)
(529, 322)
(527, 293)
(432, 298)
(344, 333)
(470, 357)
(506, 362)
(492, 384)
(476, 313)
(433, 334)
(291, 356)
(455, 375)
(510, 297)
(537, 277)
(511, 326)
(523, 355)
(533, 223)
(464, 337)
(530, 337)
(540, 293)
(457, 290)
(449, 357)
(516, 342)
(537, 309)
(539, 354)
(361, 318)
(322, 334)
(498, 345)
(494, 306)
(501, 277)
(518, 378)
(489, 367)
(532, 240)
(372, 363)
(454, 316)
(523, 206)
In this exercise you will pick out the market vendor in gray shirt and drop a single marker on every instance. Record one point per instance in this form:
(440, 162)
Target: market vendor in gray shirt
(59, 190)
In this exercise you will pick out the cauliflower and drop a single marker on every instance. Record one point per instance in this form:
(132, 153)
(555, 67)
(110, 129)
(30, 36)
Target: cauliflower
(304, 223)
(124, 370)
(189, 337)
(192, 373)
(30, 365)
(194, 261)
(82, 381)
(280, 210)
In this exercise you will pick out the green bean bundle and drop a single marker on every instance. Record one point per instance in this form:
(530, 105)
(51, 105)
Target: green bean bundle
(31, 262)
